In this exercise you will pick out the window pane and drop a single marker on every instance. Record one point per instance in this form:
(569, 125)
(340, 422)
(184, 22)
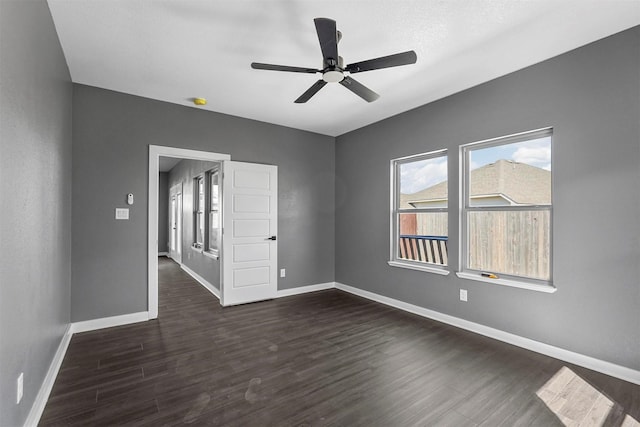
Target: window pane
(511, 174)
(213, 230)
(200, 227)
(214, 191)
(201, 195)
(423, 183)
(423, 237)
(510, 242)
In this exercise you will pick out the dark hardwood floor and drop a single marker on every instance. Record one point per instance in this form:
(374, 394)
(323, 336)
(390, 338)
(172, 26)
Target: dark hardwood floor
(324, 358)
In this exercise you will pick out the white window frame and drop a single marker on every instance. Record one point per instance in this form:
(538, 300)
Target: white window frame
(197, 209)
(395, 211)
(211, 207)
(502, 279)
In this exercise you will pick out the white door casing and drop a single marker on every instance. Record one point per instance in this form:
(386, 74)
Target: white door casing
(175, 223)
(155, 152)
(250, 229)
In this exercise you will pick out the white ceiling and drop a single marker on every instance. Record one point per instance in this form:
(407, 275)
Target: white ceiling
(175, 50)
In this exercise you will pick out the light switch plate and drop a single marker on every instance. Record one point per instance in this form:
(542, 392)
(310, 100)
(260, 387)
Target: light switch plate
(463, 294)
(122, 213)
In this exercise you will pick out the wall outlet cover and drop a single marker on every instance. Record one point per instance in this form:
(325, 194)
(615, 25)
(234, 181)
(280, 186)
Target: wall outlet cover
(463, 295)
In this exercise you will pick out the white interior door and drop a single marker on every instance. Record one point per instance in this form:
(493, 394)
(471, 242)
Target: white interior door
(175, 223)
(250, 229)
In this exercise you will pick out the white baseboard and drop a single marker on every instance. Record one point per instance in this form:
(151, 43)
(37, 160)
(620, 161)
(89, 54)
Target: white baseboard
(608, 368)
(45, 389)
(108, 322)
(208, 286)
(305, 289)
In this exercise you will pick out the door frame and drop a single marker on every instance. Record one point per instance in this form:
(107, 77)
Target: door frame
(155, 152)
(176, 191)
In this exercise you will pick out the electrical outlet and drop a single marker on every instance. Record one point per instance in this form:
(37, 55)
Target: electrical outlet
(282, 272)
(463, 295)
(19, 388)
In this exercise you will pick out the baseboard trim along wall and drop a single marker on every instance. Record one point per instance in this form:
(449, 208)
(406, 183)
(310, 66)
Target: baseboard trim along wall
(602, 366)
(208, 286)
(73, 328)
(109, 322)
(50, 378)
(608, 368)
(305, 289)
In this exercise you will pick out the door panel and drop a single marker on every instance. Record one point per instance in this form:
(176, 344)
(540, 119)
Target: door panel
(251, 252)
(251, 227)
(250, 219)
(256, 276)
(247, 204)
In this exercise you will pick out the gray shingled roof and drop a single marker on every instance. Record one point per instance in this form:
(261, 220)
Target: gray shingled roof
(520, 182)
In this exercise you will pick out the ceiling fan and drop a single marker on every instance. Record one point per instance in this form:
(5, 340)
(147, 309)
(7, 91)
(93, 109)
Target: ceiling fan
(333, 70)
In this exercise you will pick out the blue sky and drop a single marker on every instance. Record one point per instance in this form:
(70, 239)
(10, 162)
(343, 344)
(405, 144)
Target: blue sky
(416, 176)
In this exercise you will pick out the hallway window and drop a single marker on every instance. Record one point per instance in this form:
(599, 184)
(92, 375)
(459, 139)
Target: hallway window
(198, 212)
(213, 214)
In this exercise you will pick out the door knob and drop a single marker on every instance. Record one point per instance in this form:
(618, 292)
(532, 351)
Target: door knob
(271, 238)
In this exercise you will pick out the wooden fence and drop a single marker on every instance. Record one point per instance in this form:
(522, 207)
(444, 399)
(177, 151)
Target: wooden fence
(507, 242)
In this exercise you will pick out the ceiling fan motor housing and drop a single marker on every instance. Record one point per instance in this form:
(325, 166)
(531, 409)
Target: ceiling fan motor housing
(334, 70)
(333, 76)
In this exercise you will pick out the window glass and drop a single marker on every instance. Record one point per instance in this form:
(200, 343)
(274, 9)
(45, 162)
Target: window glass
(420, 217)
(214, 204)
(511, 174)
(199, 212)
(511, 242)
(507, 210)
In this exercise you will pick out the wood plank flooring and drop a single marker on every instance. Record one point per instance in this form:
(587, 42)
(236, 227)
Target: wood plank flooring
(324, 358)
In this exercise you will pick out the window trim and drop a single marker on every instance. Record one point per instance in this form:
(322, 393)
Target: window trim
(395, 211)
(198, 246)
(208, 209)
(464, 272)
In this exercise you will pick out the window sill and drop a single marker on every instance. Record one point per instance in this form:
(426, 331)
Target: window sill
(506, 282)
(211, 254)
(412, 266)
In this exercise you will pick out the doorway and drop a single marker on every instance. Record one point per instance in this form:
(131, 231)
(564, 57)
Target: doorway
(175, 223)
(155, 152)
(248, 272)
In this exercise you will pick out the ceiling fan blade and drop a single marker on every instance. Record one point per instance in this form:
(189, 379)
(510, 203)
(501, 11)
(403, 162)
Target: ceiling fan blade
(396, 60)
(328, 37)
(271, 67)
(359, 89)
(310, 92)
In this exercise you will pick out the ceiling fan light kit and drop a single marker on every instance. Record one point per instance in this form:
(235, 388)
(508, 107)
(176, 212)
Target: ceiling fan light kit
(333, 70)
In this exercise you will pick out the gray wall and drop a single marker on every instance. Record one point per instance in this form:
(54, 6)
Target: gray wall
(112, 132)
(163, 212)
(35, 185)
(591, 97)
(205, 266)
